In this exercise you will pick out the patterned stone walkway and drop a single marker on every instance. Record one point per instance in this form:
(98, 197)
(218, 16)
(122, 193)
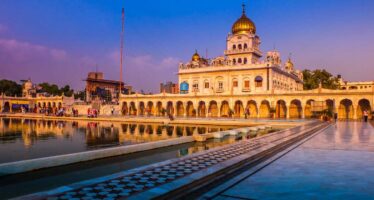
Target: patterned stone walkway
(126, 184)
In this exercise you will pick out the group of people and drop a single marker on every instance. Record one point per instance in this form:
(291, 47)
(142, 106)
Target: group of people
(74, 112)
(92, 113)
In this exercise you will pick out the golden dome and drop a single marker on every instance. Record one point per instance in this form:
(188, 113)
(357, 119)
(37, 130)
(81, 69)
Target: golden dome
(195, 56)
(289, 64)
(243, 25)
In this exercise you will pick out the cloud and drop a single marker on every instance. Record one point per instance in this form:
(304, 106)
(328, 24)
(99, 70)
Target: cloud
(169, 62)
(14, 50)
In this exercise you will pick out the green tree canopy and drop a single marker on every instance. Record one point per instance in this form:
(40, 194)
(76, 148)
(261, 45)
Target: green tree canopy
(53, 89)
(313, 78)
(10, 88)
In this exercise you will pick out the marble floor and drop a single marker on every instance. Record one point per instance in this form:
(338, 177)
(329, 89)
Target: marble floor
(338, 163)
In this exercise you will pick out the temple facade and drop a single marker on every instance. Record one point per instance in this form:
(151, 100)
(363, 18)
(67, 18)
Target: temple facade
(241, 83)
(241, 70)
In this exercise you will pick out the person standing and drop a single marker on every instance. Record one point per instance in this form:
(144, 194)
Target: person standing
(366, 115)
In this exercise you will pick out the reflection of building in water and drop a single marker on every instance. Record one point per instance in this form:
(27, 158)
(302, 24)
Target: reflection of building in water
(30, 130)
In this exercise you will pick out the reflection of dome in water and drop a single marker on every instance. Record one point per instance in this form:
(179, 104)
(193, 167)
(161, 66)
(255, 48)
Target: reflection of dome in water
(243, 25)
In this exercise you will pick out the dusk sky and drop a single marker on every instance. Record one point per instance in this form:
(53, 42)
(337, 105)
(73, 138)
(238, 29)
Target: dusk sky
(60, 41)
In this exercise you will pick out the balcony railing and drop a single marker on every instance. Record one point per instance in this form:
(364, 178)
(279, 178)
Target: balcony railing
(246, 50)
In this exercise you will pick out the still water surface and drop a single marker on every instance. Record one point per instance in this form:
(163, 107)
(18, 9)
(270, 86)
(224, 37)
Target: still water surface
(22, 139)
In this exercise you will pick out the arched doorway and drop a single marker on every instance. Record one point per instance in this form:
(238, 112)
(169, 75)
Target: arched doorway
(295, 109)
(213, 109)
(238, 109)
(281, 109)
(363, 105)
(6, 107)
(345, 109)
(308, 109)
(132, 108)
(190, 111)
(225, 109)
(141, 108)
(169, 108)
(180, 109)
(252, 108)
(150, 108)
(201, 109)
(265, 109)
(159, 109)
(125, 108)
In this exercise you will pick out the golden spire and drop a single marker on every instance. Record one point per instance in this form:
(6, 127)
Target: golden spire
(243, 24)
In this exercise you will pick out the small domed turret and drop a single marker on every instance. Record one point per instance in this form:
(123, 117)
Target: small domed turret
(195, 56)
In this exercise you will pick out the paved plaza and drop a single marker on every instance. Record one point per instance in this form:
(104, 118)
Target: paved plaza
(335, 164)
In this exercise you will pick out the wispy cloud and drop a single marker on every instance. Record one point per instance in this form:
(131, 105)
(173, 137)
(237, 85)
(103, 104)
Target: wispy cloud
(15, 50)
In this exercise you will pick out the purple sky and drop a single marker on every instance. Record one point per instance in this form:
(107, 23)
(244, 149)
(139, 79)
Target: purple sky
(60, 41)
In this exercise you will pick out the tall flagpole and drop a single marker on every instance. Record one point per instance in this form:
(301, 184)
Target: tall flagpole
(121, 59)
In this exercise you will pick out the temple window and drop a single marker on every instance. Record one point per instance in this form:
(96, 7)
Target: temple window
(239, 46)
(245, 61)
(239, 60)
(258, 81)
(235, 83)
(234, 46)
(245, 45)
(206, 84)
(234, 61)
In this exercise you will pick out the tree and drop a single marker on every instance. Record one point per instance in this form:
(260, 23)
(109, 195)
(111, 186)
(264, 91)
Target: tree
(312, 79)
(53, 89)
(10, 88)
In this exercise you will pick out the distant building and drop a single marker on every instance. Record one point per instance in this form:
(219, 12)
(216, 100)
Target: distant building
(106, 90)
(169, 87)
(355, 85)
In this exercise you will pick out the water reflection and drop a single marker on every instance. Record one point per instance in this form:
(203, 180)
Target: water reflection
(31, 138)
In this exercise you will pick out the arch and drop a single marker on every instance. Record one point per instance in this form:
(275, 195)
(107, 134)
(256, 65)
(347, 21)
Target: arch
(59, 105)
(225, 109)
(329, 105)
(190, 111)
(53, 104)
(201, 110)
(169, 108)
(245, 46)
(363, 105)
(213, 109)
(150, 108)
(132, 110)
(234, 61)
(239, 60)
(180, 109)
(234, 46)
(258, 81)
(345, 109)
(49, 105)
(281, 109)
(238, 109)
(141, 108)
(6, 107)
(239, 46)
(245, 60)
(159, 109)
(295, 109)
(264, 109)
(124, 108)
(308, 109)
(252, 109)
(184, 87)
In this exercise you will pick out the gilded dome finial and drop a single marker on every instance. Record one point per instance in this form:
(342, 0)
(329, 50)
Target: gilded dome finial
(243, 24)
